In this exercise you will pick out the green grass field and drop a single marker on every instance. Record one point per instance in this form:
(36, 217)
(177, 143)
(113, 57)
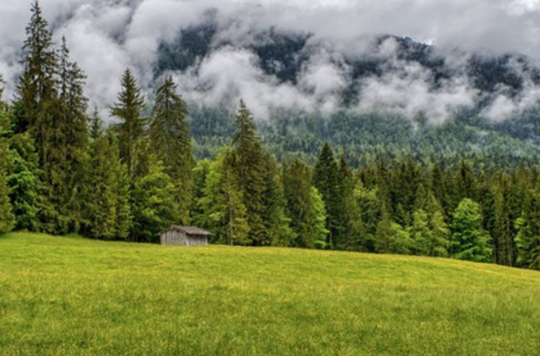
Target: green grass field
(70, 296)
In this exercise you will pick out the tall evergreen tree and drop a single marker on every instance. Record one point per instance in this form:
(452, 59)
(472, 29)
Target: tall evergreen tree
(36, 97)
(469, 240)
(347, 219)
(154, 204)
(250, 166)
(131, 128)
(304, 205)
(169, 135)
(108, 211)
(72, 125)
(504, 223)
(24, 182)
(234, 210)
(527, 239)
(392, 238)
(7, 218)
(221, 205)
(326, 181)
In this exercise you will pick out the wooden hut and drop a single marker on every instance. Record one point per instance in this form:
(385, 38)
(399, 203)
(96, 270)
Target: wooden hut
(184, 236)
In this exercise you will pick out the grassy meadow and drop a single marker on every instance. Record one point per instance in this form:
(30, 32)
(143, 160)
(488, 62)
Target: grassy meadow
(70, 296)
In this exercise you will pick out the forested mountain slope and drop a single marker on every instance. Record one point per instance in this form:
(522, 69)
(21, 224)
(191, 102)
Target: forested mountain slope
(458, 102)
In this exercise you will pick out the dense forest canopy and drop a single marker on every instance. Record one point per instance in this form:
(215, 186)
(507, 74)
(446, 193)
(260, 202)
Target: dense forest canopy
(467, 189)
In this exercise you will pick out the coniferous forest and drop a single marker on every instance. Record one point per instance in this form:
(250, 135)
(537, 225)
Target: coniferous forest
(62, 171)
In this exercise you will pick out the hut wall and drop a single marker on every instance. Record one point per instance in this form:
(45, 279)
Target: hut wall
(176, 238)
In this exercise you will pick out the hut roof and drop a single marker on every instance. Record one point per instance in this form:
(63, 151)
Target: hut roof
(190, 230)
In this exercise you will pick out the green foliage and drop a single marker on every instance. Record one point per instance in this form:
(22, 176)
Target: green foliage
(154, 205)
(398, 187)
(128, 109)
(527, 239)
(430, 234)
(108, 210)
(326, 180)
(170, 141)
(469, 240)
(24, 182)
(304, 206)
(251, 166)
(392, 238)
(7, 218)
(318, 215)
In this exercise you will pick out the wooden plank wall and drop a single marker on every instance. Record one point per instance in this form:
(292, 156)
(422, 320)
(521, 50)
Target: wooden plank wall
(175, 238)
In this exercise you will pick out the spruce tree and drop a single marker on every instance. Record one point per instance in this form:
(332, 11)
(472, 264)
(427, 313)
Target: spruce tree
(221, 206)
(392, 238)
(73, 126)
(347, 219)
(304, 206)
(326, 180)
(318, 218)
(278, 231)
(131, 128)
(171, 143)
(234, 210)
(7, 219)
(24, 182)
(108, 211)
(469, 240)
(200, 174)
(37, 113)
(36, 97)
(504, 223)
(371, 209)
(250, 167)
(154, 205)
(527, 239)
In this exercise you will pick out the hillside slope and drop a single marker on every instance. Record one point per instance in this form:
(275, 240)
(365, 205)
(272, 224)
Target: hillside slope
(67, 296)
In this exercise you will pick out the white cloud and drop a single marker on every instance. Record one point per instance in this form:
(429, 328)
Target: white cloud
(106, 36)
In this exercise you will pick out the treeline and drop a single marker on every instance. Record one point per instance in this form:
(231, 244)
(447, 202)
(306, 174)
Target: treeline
(63, 172)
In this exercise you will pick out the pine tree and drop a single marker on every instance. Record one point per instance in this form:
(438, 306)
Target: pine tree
(371, 208)
(7, 219)
(420, 232)
(37, 113)
(170, 140)
(326, 181)
(250, 167)
(131, 128)
(318, 218)
(154, 204)
(278, 231)
(527, 239)
(304, 205)
(72, 125)
(200, 174)
(348, 213)
(234, 210)
(504, 221)
(24, 182)
(36, 90)
(221, 206)
(469, 240)
(108, 196)
(392, 238)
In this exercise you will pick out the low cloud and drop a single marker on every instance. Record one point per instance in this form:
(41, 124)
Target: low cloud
(108, 36)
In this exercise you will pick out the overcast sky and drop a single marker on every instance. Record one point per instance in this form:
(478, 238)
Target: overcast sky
(107, 36)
